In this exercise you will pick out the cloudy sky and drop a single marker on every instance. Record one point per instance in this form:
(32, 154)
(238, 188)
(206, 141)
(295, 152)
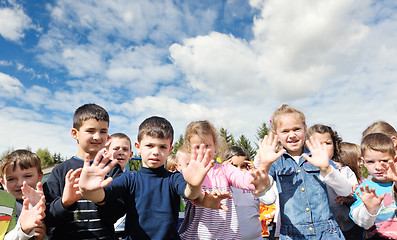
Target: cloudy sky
(232, 62)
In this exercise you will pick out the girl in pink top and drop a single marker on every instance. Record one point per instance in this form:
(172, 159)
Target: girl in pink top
(204, 223)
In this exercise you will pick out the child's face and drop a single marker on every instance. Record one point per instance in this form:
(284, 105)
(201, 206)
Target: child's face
(208, 141)
(13, 179)
(240, 162)
(376, 164)
(120, 150)
(154, 151)
(325, 138)
(291, 133)
(91, 137)
(182, 156)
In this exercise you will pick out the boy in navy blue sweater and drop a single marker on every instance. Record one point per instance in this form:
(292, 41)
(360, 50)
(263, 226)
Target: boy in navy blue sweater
(152, 193)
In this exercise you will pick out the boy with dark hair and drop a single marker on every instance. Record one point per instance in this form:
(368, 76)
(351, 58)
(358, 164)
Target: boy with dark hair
(374, 208)
(70, 215)
(152, 193)
(20, 170)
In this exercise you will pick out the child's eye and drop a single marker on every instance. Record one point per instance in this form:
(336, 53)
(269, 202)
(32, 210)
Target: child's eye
(103, 131)
(10, 179)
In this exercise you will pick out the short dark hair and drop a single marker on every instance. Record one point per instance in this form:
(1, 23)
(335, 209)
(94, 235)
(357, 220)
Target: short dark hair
(89, 111)
(121, 136)
(236, 151)
(23, 158)
(156, 127)
(377, 142)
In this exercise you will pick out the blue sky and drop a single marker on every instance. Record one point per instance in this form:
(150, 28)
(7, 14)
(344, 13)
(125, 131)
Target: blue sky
(232, 62)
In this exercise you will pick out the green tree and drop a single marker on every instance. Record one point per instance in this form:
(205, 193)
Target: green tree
(177, 144)
(45, 157)
(227, 136)
(245, 143)
(57, 158)
(135, 163)
(261, 132)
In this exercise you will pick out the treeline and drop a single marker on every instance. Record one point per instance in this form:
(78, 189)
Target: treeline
(47, 158)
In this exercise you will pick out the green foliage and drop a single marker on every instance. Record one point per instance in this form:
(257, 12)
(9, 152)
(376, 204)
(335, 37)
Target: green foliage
(45, 157)
(135, 164)
(227, 136)
(177, 144)
(57, 158)
(261, 132)
(245, 143)
(364, 171)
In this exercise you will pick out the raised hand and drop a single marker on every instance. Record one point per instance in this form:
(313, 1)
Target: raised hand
(34, 195)
(40, 231)
(260, 180)
(199, 165)
(369, 198)
(319, 156)
(71, 191)
(31, 218)
(268, 150)
(93, 175)
(391, 167)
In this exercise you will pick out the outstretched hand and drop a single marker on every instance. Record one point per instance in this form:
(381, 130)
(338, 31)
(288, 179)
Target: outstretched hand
(31, 218)
(391, 167)
(34, 195)
(93, 175)
(71, 191)
(199, 165)
(319, 156)
(268, 150)
(369, 198)
(213, 199)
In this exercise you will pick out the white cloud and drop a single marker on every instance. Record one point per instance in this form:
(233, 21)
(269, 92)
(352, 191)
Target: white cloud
(9, 86)
(5, 63)
(13, 22)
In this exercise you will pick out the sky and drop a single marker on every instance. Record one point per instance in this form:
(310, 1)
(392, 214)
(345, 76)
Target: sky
(232, 62)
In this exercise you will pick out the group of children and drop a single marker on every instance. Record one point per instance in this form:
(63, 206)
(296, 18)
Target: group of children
(309, 175)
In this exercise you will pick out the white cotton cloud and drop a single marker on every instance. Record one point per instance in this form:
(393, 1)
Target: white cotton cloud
(13, 23)
(9, 86)
(218, 64)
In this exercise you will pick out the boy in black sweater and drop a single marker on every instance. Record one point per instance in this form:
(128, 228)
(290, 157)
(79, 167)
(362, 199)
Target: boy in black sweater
(68, 215)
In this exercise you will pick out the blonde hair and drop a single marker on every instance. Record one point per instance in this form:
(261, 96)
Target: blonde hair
(202, 128)
(285, 109)
(350, 156)
(170, 164)
(380, 127)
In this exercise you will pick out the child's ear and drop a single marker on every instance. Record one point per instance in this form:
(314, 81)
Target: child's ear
(41, 176)
(137, 147)
(74, 132)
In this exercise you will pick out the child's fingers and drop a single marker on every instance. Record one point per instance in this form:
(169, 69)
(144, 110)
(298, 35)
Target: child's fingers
(307, 157)
(39, 187)
(86, 161)
(76, 173)
(106, 182)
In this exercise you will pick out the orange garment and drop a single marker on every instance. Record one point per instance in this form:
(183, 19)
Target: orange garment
(266, 216)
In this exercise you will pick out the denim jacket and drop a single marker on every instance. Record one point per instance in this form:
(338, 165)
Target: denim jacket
(304, 206)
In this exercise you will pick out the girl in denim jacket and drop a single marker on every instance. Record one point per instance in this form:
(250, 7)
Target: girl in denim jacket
(302, 175)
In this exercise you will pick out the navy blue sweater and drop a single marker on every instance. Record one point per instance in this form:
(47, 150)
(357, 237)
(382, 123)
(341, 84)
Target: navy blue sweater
(82, 220)
(152, 198)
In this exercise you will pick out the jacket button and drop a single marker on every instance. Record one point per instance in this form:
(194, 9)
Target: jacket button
(298, 170)
(310, 229)
(302, 189)
(307, 209)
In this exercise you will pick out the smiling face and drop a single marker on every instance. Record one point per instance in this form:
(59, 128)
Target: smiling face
(120, 150)
(13, 179)
(376, 164)
(291, 133)
(154, 151)
(91, 137)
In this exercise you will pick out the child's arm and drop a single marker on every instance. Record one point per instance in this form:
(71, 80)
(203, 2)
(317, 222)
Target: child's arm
(92, 178)
(194, 173)
(71, 192)
(330, 176)
(366, 212)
